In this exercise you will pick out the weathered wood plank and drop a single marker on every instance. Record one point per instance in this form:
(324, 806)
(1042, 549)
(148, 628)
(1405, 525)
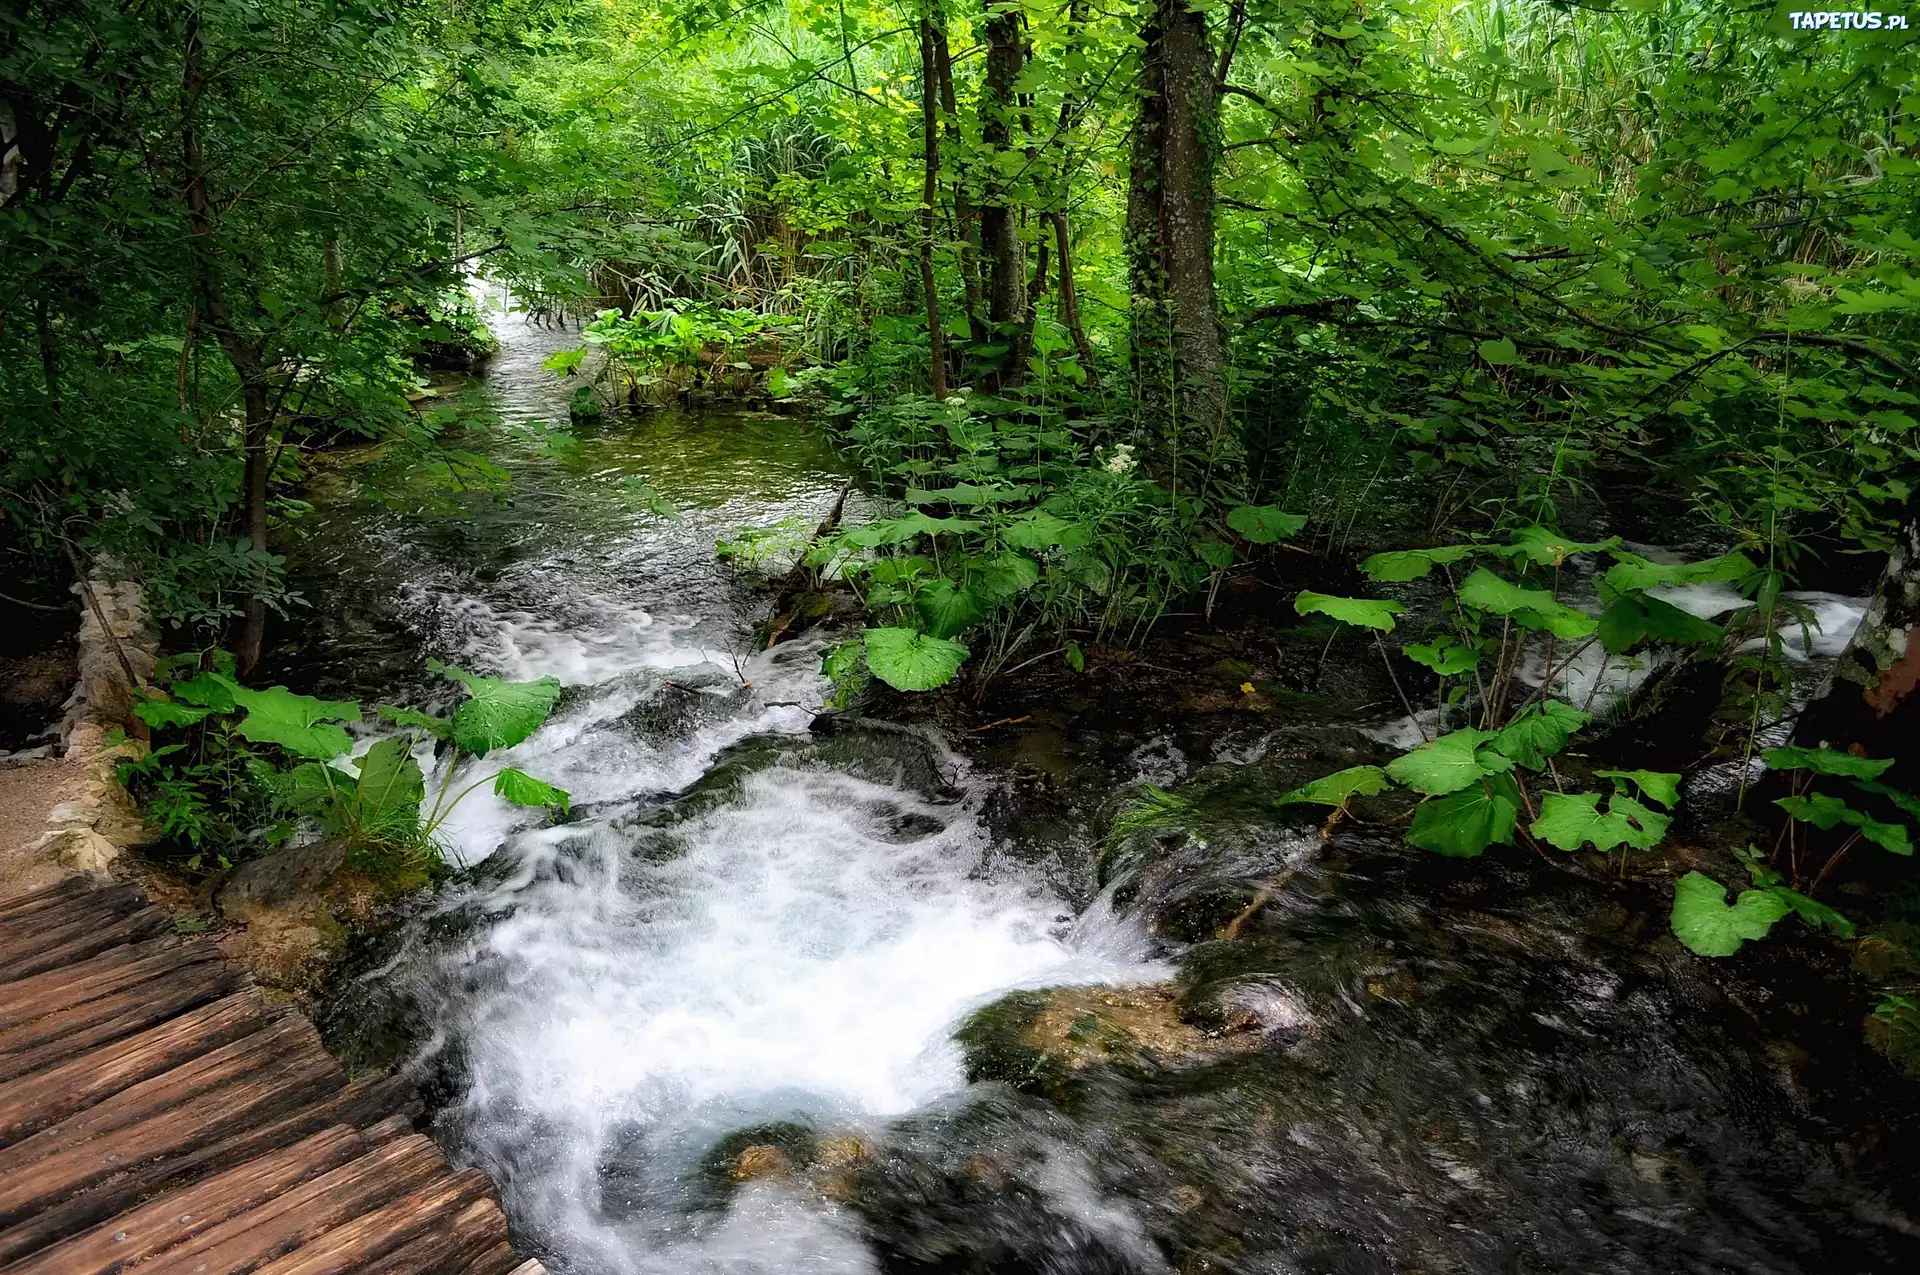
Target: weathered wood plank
(447, 1247)
(54, 926)
(497, 1259)
(43, 1179)
(40, 900)
(529, 1267)
(53, 1038)
(306, 1212)
(88, 941)
(287, 1037)
(47, 993)
(366, 1104)
(180, 1215)
(358, 1244)
(38, 1100)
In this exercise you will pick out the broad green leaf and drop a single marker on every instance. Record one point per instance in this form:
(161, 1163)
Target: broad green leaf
(1412, 564)
(1371, 613)
(297, 723)
(1217, 554)
(1646, 828)
(1499, 352)
(522, 789)
(1632, 620)
(1906, 803)
(315, 789)
(1041, 530)
(1004, 575)
(1076, 658)
(390, 779)
(1263, 524)
(1813, 912)
(1540, 731)
(1826, 761)
(1827, 812)
(498, 714)
(1633, 574)
(1660, 786)
(1448, 763)
(1338, 788)
(1463, 824)
(1569, 820)
(1550, 548)
(439, 727)
(1445, 657)
(910, 661)
(1533, 608)
(1702, 920)
(946, 608)
(207, 690)
(164, 712)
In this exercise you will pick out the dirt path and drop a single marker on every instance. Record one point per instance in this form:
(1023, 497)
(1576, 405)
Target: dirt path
(28, 795)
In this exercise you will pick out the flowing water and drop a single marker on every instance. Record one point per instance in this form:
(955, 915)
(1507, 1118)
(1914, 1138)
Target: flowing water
(707, 1024)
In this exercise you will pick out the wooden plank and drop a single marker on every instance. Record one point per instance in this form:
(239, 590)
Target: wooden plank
(87, 939)
(528, 1267)
(54, 926)
(496, 1259)
(45, 1178)
(55, 990)
(39, 1099)
(358, 1244)
(306, 1212)
(287, 1038)
(180, 1215)
(365, 1103)
(448, 1247)
(44, 898)
(53, 1038)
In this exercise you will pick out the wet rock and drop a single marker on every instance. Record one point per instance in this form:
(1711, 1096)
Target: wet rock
(761, 1160)
(290, 938)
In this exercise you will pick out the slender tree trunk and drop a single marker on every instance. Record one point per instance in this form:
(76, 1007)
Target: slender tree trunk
(1872, 707)
(1179, 358)
(1070, 298)
(966, 223)
(999, 227)
(249, 362)
(929, 206)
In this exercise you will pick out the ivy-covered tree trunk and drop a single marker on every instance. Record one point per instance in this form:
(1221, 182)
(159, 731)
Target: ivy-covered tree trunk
(1873, 704)
(929, 206)
(999, 224)
(1179, 358)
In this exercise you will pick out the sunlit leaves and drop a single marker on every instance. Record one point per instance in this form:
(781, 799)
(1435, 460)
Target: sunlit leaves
(498, 714)
(1705, 922)
(1339, 788)
(910, 661)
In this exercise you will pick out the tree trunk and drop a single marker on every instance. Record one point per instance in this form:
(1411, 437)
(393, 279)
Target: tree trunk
(248, 360)
(999, 227)
(1070, 298)
(929, 205)
(1872, 707)
(966, 223)
(1179, 359)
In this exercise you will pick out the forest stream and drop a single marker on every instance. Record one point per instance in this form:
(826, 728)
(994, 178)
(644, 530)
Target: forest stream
(707, 1024)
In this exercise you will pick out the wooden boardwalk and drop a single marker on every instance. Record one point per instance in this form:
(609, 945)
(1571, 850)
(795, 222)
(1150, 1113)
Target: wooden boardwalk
(157, 1113)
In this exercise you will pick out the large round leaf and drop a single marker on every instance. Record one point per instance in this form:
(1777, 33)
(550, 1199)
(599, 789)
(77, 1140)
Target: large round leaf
(1371, 613)
(498, 714)
(297, 723)
(1703, 921)
(910, 661)
(1263, 524)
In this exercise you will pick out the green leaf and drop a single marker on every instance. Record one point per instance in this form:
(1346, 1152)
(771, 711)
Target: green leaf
(1550, 548)
(1500, 352)
(1533, 608)
(1633, 574)
(1828, 812)
(1907, 803)
(439, 727)
(1040, 530)
(498, 714)
(390, 779)
(1463, 824)
(1812, 911)
(295, 722)
(1540, 731)
(163, 712)
(1264, 524)
(1371, 613)
(1449, 763)
(1633, 620)
(1217, 554)
(1659, 786)
(1826, 761)
(1338, 788)
(1413, 564)
(1076, 658)
(522, 789)
(1646, 828)
(1570, 820)
(1702, 920)
(315, 789)
(1445, 657)
(946, 608)
(910, 661)
(208, 690)
(1003, 575)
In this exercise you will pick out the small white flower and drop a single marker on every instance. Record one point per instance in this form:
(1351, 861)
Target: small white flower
(954, 400)
(1121, 461)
